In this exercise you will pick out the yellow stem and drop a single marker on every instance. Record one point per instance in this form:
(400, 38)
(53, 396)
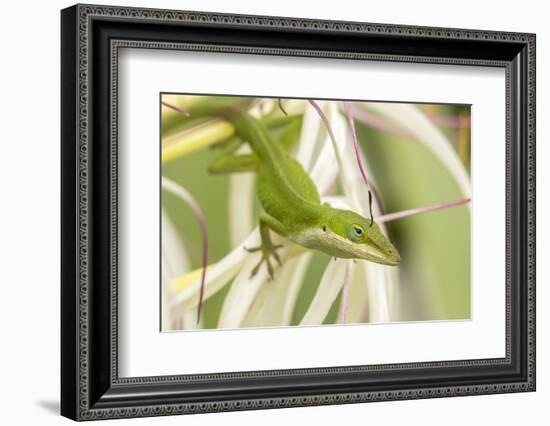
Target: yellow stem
(195, 138)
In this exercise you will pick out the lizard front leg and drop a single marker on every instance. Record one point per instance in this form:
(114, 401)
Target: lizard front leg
(231, 162)
(267, 247)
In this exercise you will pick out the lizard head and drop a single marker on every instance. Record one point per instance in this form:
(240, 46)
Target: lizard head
(346, 234)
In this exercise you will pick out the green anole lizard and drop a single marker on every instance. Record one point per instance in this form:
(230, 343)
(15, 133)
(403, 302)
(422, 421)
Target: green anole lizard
(291, 203)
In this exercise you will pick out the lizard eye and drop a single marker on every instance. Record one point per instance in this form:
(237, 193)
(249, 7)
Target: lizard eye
(356, 233)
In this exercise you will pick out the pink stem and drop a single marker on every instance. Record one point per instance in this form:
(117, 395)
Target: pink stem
(185, 196)
(328, 127)
(349, 114)
(325, 121)
(204, 236)
(376, 122)
(280, 103)
(420, 210)
(175, 108)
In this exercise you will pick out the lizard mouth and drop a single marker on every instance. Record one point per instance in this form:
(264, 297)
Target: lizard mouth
(384, 253)
(389, 257)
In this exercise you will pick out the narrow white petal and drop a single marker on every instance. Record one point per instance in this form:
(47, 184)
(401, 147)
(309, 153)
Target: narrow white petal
(415, 122)
(344, 301)
(255, 316)
(174, 262)
(218, 275)
(338, 201)
(378, 306)
(294, 106)
(327, 292)
(166, 319)
(381, 283)
(356, 190)
(275, 301)
(358, 307)
(294, 284)
(244, 289)
(311, 124)
(189, 320)
(325, 169)
(173, 249)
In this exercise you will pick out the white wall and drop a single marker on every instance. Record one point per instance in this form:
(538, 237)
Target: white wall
(29, 224)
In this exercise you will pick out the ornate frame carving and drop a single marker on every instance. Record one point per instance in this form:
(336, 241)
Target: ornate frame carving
(91, 37)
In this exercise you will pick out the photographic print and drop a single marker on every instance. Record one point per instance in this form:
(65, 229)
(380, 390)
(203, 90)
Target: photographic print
(306, 212)
(349, 212)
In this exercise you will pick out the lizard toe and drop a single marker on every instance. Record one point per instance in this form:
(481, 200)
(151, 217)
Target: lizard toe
(277, 258)
(256, 269)
(269, 267)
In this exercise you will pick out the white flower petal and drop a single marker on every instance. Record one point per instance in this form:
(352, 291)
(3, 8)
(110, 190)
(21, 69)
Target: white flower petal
(244, 289)
(174, 262)
(381, 280)
(217, 275)
(327, 292)
(358, 303)
(166, 319)
(338, 201)
(415, 122)
(174, 255)
(354, 185)
(381, 284)
(344, 300)
(275, 301)
(295, 281)
(325, 170)
(311, 124)
(189, 320)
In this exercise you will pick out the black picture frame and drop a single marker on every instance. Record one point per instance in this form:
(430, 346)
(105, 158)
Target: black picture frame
(90, 38)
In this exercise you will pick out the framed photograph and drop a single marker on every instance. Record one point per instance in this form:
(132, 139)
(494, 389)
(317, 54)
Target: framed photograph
(263, 212)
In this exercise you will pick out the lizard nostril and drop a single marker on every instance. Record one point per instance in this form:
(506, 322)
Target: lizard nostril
(324, 228)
